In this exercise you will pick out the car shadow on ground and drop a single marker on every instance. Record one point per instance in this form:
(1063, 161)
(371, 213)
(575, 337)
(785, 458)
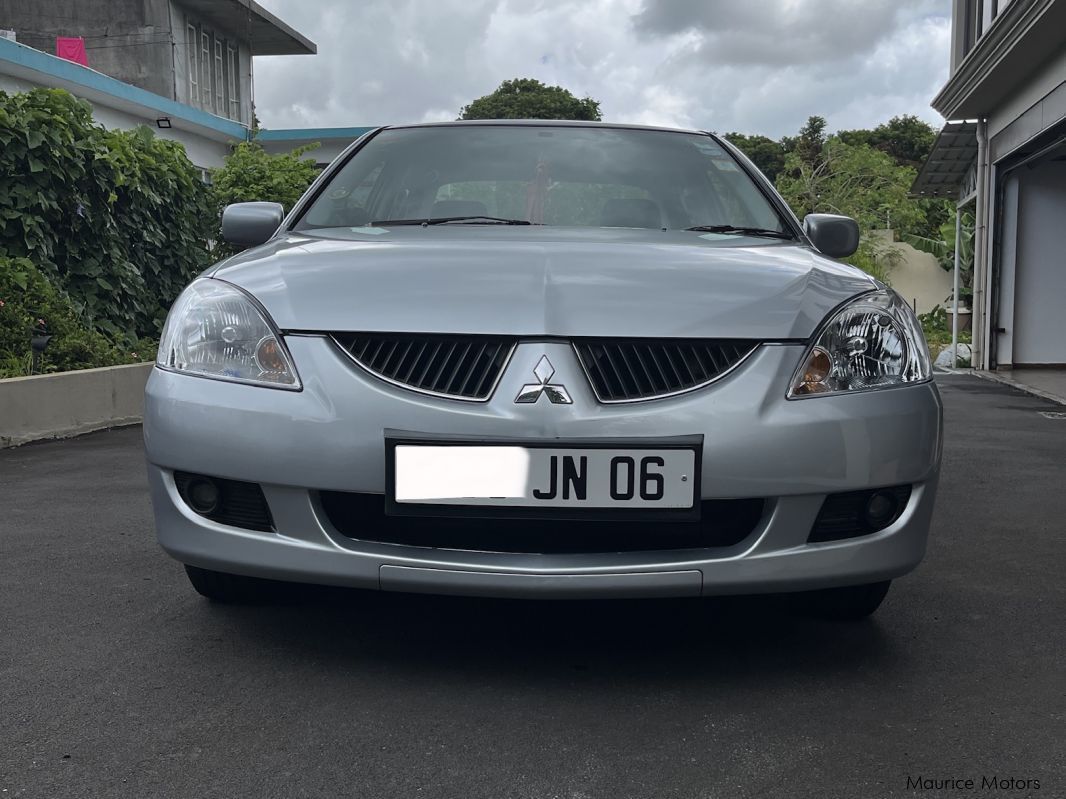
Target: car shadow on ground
(731, 639)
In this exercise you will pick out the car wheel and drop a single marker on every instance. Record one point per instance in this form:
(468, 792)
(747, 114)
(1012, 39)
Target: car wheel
(227, 588)
(850, 603)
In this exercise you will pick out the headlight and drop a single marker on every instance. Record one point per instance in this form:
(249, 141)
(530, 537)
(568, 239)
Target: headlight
(874, 341)
(216, 330)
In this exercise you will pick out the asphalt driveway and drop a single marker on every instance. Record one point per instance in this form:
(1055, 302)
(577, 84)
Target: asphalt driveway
(117, 680)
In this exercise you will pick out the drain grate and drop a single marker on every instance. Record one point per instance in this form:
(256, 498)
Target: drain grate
(1053, 414)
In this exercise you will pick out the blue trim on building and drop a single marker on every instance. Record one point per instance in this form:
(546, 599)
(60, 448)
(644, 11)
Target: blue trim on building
(312, 134)
(87, 78)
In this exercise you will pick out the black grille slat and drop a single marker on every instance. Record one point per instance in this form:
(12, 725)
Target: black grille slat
(465, 367)
(722, 523)
(628, 370)
(492, 365)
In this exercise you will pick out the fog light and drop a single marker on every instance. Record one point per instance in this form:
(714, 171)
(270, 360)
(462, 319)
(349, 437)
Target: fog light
(881, 509)
(203, 495)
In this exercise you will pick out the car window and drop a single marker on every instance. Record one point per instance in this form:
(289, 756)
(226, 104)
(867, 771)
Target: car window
(551, 175)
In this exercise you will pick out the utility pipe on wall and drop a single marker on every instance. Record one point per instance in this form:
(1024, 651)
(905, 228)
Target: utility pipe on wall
(955, 293)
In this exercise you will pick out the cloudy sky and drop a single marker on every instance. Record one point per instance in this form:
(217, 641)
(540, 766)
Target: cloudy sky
(755, 66)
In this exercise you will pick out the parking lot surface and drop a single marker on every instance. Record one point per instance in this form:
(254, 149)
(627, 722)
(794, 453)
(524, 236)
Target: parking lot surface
(116, 679)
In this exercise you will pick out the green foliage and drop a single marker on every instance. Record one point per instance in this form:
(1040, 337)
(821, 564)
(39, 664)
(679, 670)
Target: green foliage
(251, 174)
(764, 152)
(855, 180)
(808, 146)
(907, 139)
(116, 219)
(936, 325)
(526, 98)
(875, 258)
(28, 302)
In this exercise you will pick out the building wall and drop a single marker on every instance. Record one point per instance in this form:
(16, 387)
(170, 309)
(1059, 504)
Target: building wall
(1028, 92)
(1039, 334)
(127, 39)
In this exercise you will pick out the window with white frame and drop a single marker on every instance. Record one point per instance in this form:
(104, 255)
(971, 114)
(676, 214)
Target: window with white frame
(233, 83)
(220, 96)
(192, 69)
(205, 71)
(213, 68)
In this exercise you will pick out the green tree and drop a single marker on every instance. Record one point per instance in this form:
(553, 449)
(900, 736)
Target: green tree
(857, 181)
(854, 180)
(765, 153)
(907, 139)
(526, 98)
(251, 174)
(809, 145)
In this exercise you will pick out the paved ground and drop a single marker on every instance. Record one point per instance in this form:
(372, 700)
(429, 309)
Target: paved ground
(116, 680)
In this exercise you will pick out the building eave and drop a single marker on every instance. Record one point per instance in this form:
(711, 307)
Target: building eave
(42, 69)
(265, 33)
(1026, 34)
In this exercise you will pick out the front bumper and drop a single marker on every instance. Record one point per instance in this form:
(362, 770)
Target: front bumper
(330, 436)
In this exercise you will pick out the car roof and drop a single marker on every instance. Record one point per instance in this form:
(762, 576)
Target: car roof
(560, 123)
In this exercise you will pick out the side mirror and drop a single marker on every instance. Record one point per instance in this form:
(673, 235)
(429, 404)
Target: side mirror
(832, 235)
(249, 224)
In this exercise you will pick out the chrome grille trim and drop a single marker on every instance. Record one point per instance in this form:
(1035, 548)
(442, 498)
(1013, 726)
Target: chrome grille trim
(640, 370)
(464, 368)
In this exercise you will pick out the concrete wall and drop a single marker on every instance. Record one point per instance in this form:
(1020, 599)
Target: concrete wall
(917, 276)
(1039, 335)
(70, 403)
(127, 39)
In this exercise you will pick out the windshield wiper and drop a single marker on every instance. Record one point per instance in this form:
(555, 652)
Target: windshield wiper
(744, 231)
(444, 220)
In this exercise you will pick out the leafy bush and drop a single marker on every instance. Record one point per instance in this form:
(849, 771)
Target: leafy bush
(28, 303)
(118, 220)
(251, 174)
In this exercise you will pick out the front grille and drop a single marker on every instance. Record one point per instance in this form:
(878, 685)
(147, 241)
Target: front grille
(462, 367)
(722, 523)
(640, 369)
(240, 504)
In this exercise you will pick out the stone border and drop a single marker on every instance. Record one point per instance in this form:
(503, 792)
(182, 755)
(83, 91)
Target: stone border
(998, 377)
(71, 403)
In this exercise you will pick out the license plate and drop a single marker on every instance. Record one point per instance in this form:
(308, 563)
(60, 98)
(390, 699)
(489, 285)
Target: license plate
(545, 477)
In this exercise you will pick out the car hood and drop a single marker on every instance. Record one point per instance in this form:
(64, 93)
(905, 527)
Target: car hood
(544, 282)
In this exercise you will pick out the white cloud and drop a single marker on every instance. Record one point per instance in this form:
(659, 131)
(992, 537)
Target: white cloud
(758, 66)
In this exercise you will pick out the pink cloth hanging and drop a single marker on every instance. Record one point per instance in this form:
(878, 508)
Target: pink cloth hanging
(72, 48)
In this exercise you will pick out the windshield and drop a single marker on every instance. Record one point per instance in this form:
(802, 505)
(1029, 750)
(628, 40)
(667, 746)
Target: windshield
(542, 175)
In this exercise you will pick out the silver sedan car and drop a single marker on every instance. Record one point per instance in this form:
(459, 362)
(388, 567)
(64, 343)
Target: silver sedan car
(545, 360)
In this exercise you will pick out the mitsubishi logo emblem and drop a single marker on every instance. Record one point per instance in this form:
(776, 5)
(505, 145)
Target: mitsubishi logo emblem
(556, 392)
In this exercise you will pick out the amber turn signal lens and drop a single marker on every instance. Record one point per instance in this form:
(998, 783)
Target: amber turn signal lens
(818, 367)
(268, 355)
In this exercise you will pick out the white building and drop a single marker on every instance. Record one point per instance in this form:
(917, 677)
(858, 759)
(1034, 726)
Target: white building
(1003, 154)
(185, 68)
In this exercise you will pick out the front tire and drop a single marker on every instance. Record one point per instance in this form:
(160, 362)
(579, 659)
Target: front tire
(227, 588)
(850, 603)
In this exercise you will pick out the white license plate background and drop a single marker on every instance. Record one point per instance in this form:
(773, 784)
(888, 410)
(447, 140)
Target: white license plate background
(507, 476)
